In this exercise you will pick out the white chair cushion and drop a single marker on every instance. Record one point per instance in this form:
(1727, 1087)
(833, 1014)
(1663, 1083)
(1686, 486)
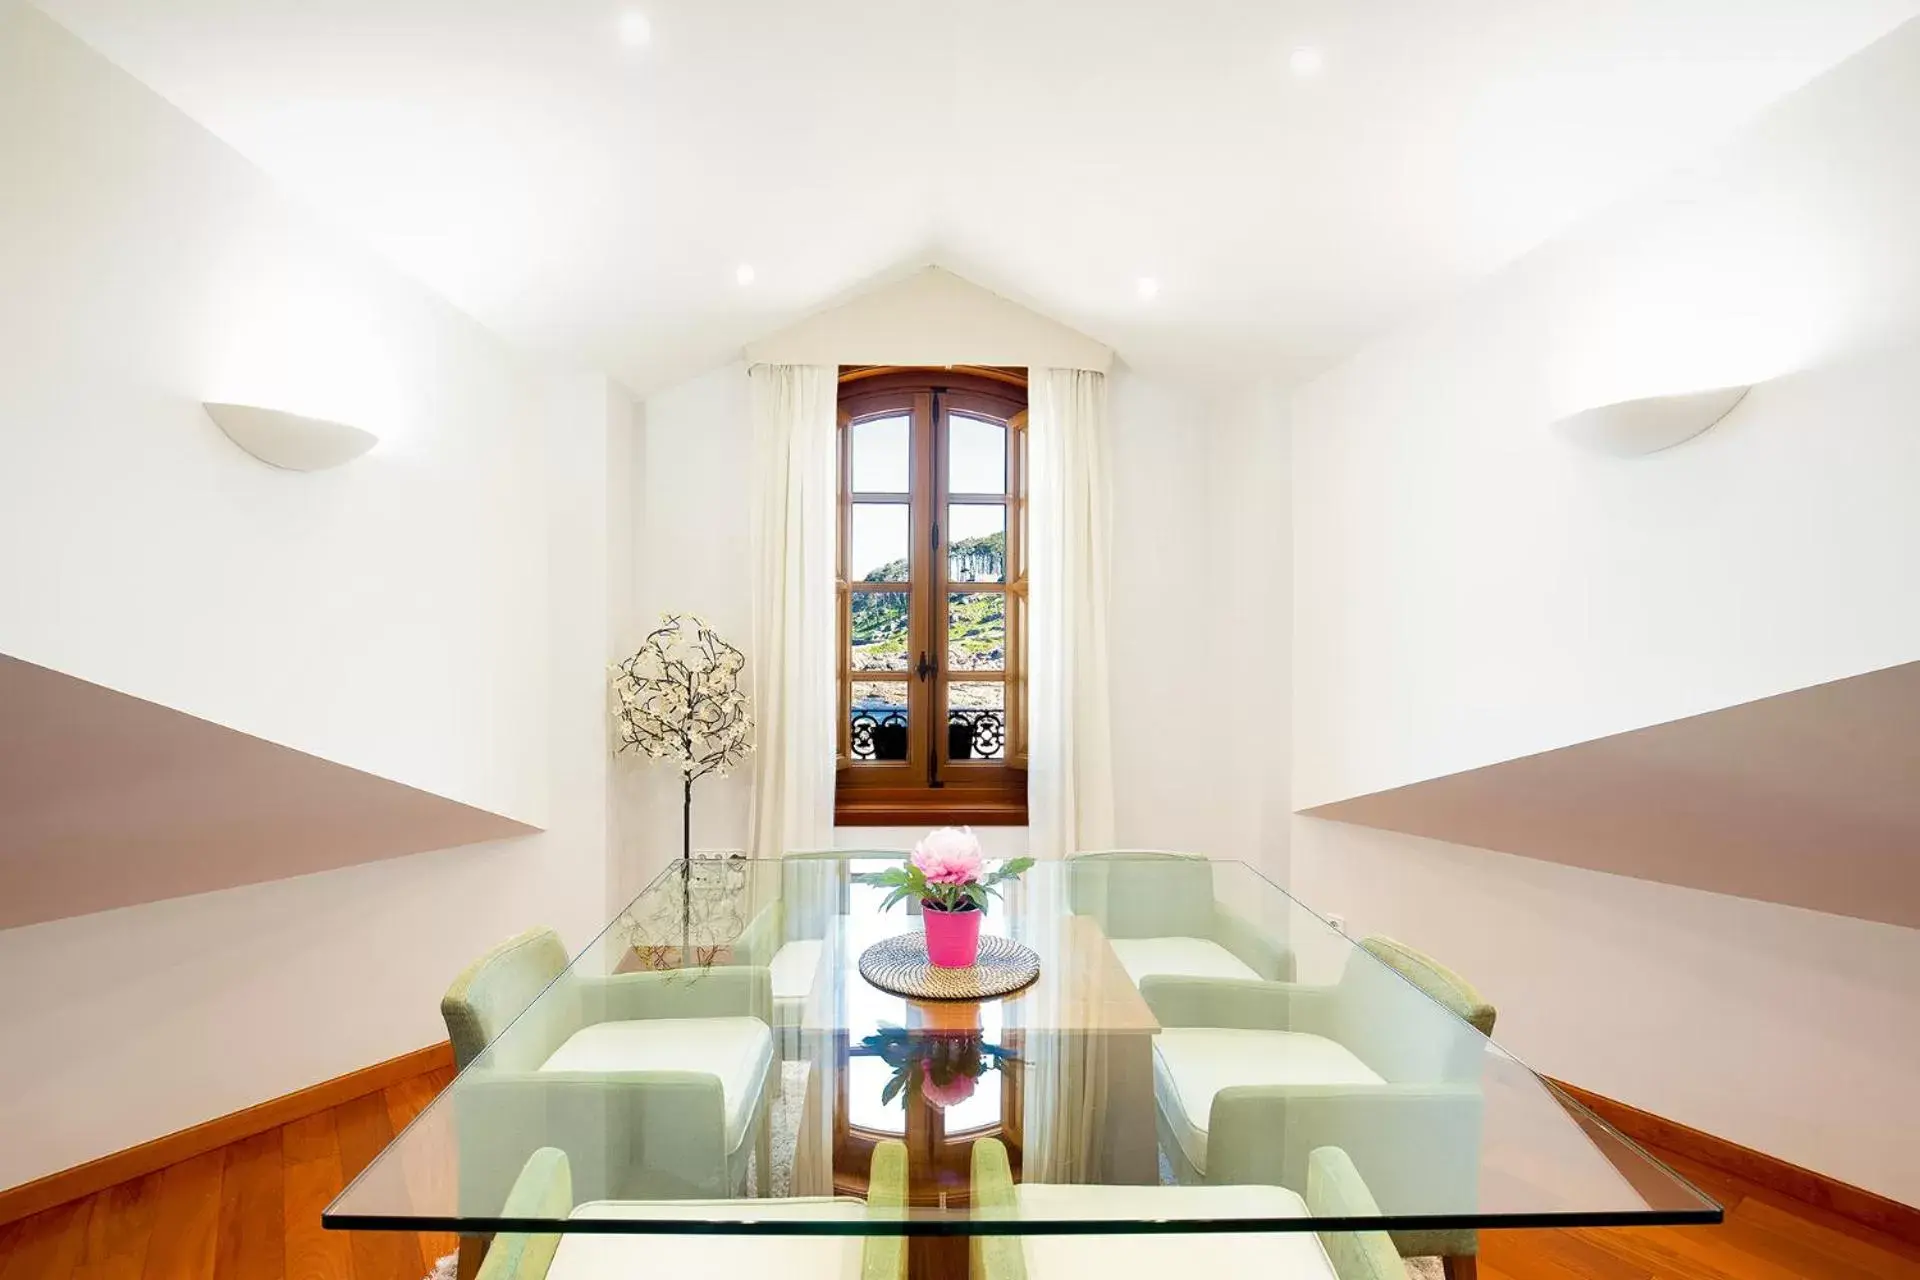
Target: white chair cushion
(794, 966)
(735, 1050)
(1179, 958)
(1293, 1255)
(710, 1257)
(1191, 1064)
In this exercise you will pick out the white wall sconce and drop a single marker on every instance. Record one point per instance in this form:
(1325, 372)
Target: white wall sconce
(1635, 427)
(288, 440)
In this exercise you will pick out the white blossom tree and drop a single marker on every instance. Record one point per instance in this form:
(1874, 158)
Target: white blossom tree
(679, 699)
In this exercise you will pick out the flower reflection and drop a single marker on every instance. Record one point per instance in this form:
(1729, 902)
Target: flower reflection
(942, 1067)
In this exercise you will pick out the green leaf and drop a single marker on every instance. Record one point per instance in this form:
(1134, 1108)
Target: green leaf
(894, 1086)
(1009, 870)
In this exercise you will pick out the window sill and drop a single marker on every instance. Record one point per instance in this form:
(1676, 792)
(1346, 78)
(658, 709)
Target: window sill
(936, 808)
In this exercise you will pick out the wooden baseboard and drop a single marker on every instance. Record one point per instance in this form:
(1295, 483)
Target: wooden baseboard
(97, 1175)
(1857, 1204)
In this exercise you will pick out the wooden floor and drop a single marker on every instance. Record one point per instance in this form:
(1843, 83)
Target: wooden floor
(251, 1211)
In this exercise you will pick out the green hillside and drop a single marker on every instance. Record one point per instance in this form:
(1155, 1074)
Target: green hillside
(977, 633)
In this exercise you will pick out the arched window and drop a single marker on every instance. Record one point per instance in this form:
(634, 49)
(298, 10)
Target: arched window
(932, 596)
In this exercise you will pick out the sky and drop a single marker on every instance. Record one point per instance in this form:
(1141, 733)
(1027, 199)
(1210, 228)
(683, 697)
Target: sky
(976, 463)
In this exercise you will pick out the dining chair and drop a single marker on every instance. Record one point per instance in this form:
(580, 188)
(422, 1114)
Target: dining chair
(1334, 1188)
(1383, 1062)
(651, 1081)
(788, 934)
(1160, 913)
(544, 1190)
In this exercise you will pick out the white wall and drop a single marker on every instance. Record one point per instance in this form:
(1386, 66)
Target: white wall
(1164, 702)
(416, 614)
(1249, 621)
(1198, 636)
(365, 615)
(1790, 1031)
(931, 317)
(1177, 558)
(1468, 589)
(693, 555)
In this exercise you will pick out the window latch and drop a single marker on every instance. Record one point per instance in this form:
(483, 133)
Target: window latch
(925, 668)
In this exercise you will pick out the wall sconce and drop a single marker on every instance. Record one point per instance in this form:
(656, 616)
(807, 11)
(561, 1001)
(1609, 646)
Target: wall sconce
(288, 440)
(1635, 427)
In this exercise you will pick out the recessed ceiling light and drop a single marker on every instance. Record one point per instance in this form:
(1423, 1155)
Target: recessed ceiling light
(1307, 60)
(1147, 287)
(635, 30)
(743, 274)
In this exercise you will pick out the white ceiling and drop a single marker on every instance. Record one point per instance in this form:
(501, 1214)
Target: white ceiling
(593, 200)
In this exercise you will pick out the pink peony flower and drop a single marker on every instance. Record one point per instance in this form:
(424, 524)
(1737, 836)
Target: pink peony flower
(950, 855)
(954, 1091)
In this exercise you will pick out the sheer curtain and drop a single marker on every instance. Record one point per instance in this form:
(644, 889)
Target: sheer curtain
(1069, 519)
(1069, 743)
(796, 502)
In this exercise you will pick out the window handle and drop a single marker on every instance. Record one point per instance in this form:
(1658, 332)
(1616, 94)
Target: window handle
(925, 668)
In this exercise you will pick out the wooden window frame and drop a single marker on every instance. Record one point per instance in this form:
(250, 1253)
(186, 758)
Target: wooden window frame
(940, 1159)
(928, 786)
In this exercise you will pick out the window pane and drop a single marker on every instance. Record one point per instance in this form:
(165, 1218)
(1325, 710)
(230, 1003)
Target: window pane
(877, 551)
(879, 631)
(978, 1111)
(976, 542)
(976, 720)
(976, 455)
(867, 1079)
(976, 631)
(880, 455)
(879, 728)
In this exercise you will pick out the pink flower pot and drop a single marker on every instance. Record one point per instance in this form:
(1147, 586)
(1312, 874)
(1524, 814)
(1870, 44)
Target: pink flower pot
(953, 937)
(952, 1093)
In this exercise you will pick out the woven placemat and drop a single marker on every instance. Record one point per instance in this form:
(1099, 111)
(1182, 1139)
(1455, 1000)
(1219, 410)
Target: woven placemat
(899, 965)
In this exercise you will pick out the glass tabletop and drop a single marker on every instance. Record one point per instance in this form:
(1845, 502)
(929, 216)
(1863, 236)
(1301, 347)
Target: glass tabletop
(1199, 1052)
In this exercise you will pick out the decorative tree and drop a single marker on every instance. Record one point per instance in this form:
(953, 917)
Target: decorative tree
(679, 699)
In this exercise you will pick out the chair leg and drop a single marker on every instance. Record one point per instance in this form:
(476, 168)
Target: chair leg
(473, 1251)
(1464, 1266)
(763, 1156)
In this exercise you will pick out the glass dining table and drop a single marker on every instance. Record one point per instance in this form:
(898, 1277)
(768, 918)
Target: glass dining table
(1200, 1053)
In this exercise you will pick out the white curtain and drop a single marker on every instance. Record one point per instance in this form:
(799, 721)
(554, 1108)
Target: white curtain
(1069, 522)
(796, 502)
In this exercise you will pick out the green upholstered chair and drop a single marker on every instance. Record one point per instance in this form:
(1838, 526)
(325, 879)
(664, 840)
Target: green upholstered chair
(650, 1082)
(1385, 1063)
(1159, 911)
(787, 934)
(1334, 1187)
(1335, 1190)
(544, 1189)
(497, 988)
